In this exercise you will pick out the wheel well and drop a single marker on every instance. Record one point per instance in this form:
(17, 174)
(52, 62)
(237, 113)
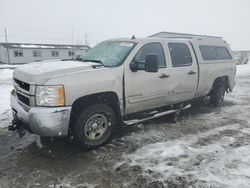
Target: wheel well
(81, 103)
(223, 79)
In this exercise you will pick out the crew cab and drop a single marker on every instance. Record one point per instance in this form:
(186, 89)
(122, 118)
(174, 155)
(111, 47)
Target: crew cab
(120, 81)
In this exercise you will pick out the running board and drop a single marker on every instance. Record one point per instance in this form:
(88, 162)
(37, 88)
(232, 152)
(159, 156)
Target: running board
(156, 115)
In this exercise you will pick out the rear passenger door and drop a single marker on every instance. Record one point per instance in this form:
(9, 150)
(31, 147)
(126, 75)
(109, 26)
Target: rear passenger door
(184, 70)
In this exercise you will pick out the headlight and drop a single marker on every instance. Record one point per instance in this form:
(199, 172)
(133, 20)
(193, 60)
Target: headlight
(50, 95)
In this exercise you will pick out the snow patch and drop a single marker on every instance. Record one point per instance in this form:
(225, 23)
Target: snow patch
(33, 46)
(67, 184)
(6, 75)
(5, 89)
(211, 163)
(243, 70)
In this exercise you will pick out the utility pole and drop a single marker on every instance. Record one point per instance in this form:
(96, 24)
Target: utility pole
(86, 39)
(72, 36)
(7, 46)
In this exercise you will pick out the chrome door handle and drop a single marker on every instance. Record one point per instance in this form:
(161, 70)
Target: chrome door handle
(164, 76)
(191, 72)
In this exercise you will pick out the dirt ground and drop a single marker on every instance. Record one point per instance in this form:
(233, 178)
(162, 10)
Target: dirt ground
(206, 147)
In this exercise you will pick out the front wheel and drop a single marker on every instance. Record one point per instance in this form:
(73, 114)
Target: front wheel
(217, 94)
(95, 126)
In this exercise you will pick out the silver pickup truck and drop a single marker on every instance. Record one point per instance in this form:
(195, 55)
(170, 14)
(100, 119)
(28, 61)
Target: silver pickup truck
(120, 81)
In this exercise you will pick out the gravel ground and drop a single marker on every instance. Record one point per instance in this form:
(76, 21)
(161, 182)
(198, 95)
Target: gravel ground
(206, 147)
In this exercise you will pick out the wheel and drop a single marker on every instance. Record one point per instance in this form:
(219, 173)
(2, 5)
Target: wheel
(217, 94)
(95, 126)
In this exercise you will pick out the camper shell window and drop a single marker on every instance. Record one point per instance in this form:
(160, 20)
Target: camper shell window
(213, 53)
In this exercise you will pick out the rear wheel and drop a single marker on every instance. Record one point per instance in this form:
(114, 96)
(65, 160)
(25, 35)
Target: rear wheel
(95, 126)
(217, 94)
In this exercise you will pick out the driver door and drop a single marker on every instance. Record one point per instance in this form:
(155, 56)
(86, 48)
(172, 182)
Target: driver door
(147, 90)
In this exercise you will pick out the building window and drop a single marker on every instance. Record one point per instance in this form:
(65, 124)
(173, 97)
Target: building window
(180, 54)
(55, 54)
(71, 53)
(18, 53)
(37, 53)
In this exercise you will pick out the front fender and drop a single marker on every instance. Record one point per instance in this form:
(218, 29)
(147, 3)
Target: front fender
(91, 82)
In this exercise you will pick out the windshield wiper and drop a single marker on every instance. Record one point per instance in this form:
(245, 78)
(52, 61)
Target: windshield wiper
(93, 60)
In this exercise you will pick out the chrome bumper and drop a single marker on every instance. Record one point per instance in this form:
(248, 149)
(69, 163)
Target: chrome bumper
(44, 121)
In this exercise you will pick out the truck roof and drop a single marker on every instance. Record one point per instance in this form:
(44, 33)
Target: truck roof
(198, 39)
(201, 40)
(164, 34)
(140, 39)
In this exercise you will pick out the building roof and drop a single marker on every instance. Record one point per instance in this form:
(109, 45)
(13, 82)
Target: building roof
(244, 51)
(164, 34)
(43, 46)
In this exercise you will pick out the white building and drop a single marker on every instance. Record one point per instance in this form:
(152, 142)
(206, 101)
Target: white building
(19, 53)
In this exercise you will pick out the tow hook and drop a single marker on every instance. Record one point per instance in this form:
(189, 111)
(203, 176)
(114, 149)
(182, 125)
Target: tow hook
(17, 125)
(14, 125)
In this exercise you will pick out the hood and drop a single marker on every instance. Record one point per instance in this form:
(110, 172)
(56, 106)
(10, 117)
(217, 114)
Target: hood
(40, 72)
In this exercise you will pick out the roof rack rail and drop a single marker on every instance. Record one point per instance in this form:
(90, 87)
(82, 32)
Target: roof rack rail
(181, 35)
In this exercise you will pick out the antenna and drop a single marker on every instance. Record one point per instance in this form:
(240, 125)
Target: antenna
(7, 47)
(133, 37)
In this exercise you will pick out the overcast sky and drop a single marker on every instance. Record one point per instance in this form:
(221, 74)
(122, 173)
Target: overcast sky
(52, 21)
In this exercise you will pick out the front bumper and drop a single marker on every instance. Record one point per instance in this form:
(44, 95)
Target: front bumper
(44, 121)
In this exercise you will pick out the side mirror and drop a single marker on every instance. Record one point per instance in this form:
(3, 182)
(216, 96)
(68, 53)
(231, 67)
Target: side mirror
(151, 63)
(133, 66)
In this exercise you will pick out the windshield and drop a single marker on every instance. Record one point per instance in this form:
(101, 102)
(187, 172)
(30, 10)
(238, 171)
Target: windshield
(109, 53)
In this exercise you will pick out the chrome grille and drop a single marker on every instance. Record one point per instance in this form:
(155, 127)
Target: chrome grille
(23, 99)
(24, 93)
(22, 84)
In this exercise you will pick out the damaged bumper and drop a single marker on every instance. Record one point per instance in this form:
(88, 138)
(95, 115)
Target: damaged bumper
(44, 121)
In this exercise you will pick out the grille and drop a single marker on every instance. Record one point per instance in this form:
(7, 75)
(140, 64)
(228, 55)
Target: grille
(25, 100)
(22, 85)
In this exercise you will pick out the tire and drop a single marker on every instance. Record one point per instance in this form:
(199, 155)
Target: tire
(217, 94)
(95, 126)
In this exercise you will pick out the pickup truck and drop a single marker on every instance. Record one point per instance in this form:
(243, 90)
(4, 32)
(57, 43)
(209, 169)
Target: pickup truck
(119, 81)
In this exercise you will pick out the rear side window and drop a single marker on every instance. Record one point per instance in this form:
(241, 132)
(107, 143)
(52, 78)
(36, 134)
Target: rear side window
(210, 53)
(151, 49)
(180, 54)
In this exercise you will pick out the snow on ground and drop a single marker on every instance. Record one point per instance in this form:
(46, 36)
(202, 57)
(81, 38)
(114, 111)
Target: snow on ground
(7, 66)
(243, 70)
(191, 157)
(5, 89)
(6, 75)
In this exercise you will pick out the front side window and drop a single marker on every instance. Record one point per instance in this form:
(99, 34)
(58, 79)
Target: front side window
(180, 54)
(110, 53)
(151, 49)
(18, 53)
